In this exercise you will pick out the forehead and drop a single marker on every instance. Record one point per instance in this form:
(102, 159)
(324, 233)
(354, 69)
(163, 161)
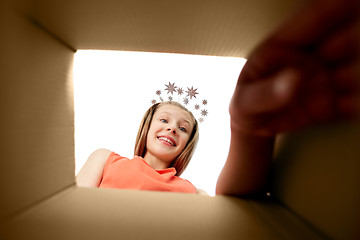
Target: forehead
(175, 111)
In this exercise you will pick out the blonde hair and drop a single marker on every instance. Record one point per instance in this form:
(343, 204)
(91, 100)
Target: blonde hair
(181, 162)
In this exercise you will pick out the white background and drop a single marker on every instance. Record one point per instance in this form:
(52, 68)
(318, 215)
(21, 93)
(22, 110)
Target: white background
(113, 89)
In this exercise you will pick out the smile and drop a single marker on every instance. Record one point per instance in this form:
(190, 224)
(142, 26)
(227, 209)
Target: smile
(167, 140)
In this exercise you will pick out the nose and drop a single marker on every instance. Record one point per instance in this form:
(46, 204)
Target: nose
(171, 130)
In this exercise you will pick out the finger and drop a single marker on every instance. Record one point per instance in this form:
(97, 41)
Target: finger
(348, 107)
(316, 21)
(342, 46)
(321, 108)
(346, 79)
(268, 59)
(270, 94)
(347, 85)
(292, 119)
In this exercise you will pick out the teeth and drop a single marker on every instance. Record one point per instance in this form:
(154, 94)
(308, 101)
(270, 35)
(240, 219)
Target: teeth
(167, 140)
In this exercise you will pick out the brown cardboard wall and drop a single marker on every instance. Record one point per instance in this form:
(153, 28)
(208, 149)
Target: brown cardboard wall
(317, 177)
(92, 213)
(37, 129)
(211, 27)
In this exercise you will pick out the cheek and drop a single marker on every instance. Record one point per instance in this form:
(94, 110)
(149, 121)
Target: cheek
(149, 137)
(151, 131)
(185, 140)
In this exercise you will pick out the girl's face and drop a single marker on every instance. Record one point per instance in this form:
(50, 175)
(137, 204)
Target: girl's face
(169, 132)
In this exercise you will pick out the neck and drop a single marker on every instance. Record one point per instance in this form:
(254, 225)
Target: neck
(155, 162)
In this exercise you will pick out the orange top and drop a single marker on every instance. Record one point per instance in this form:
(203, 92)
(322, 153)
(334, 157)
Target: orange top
(136, 173)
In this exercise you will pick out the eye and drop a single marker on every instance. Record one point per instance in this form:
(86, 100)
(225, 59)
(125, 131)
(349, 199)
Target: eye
(163, 120)
(183, 129)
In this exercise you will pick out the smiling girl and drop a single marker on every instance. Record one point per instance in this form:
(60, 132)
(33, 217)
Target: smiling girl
(164, 146)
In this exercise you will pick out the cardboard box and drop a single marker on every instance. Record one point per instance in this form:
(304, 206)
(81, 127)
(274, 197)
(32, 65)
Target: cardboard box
(316, 180)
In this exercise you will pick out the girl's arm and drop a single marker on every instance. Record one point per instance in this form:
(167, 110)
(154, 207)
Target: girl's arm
(305, 73)
(91, 173)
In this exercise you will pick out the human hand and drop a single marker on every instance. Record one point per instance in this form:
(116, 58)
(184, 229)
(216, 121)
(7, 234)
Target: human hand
(305, 73)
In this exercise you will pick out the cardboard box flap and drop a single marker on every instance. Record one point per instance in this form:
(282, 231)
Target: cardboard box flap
(205, 27)
(92, 213)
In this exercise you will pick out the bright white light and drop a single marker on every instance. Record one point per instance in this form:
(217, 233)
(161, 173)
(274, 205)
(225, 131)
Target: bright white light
(113, 89)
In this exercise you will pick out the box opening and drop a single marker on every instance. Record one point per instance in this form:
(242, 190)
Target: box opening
(113, 89)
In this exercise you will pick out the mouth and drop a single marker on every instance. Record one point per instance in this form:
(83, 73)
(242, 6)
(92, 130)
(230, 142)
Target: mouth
(167, 140)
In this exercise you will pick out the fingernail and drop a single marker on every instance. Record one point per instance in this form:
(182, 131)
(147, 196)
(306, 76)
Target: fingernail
(286, 83)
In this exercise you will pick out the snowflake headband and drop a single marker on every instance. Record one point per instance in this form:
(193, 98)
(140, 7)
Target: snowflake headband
(199, 110)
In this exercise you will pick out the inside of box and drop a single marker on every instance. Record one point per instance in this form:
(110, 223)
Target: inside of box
(315, 173)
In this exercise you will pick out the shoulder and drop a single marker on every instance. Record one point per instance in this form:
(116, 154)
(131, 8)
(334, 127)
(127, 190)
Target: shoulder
(101, 152)
(91, 173)
(100, 155)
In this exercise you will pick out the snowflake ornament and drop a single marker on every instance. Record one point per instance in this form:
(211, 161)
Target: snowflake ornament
(191, 92)
(180, 91)
(204, 112)
(170, 88)
(186, 101)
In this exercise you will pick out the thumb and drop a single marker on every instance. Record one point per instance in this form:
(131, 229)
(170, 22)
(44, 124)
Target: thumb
(270, 94)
